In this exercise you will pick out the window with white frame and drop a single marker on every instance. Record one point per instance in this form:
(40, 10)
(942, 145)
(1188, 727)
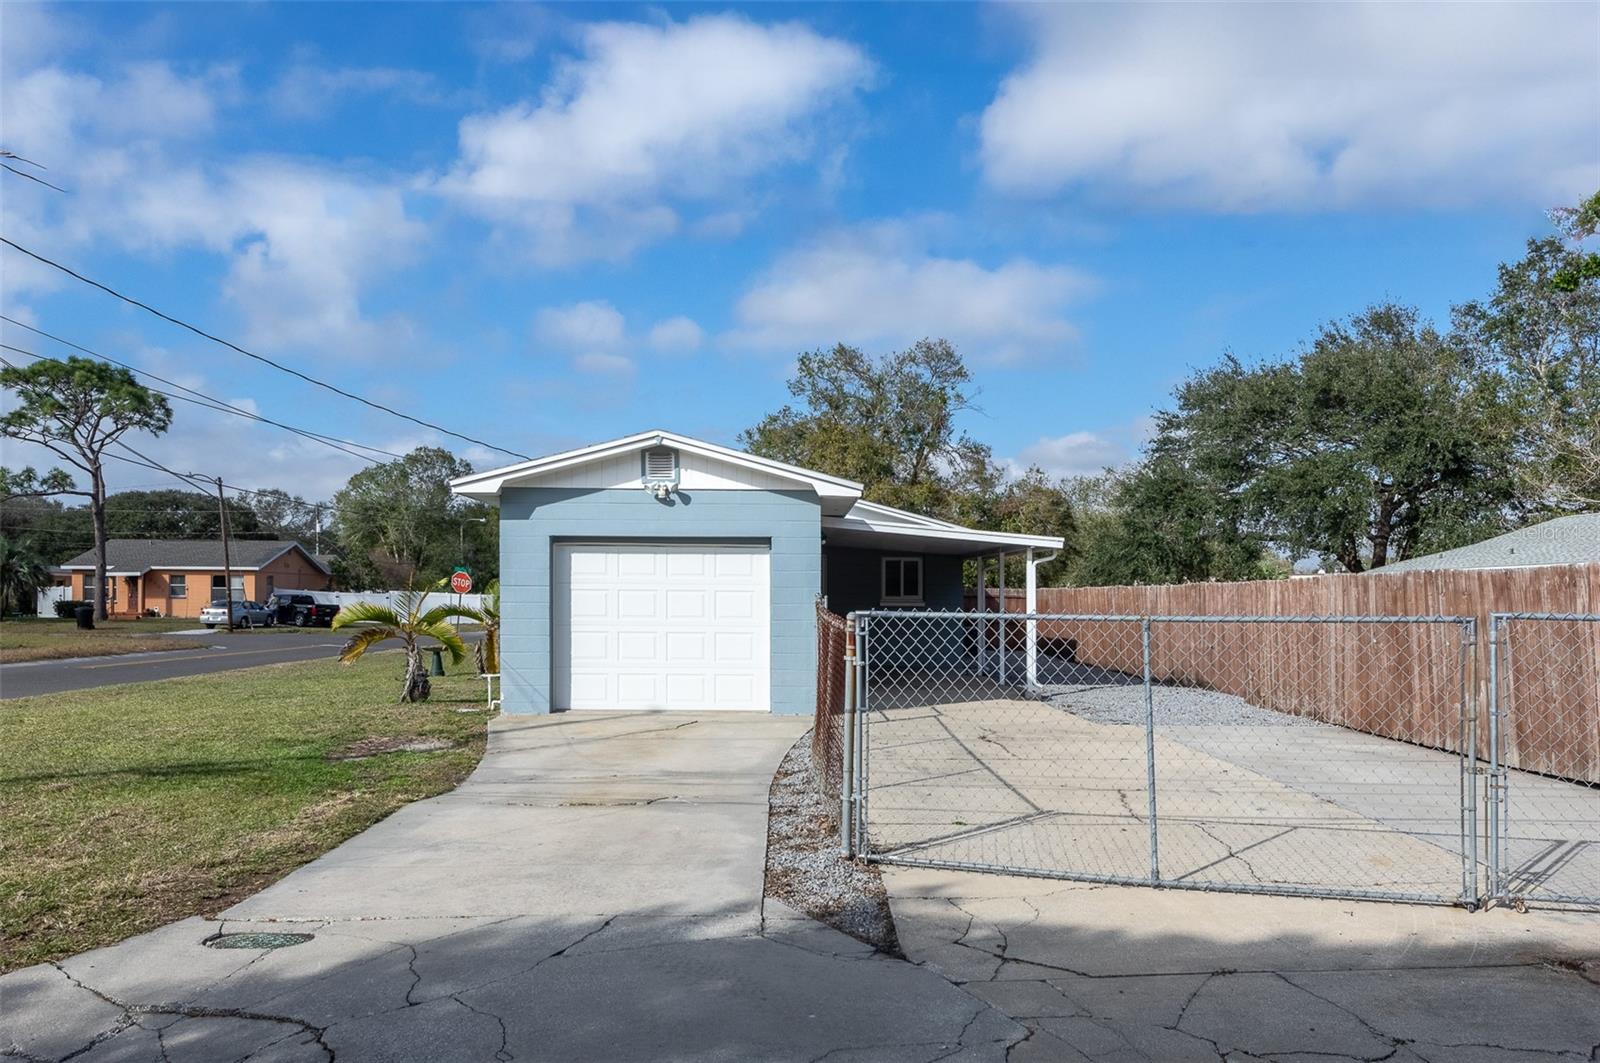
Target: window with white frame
(219, 582)
(902, 581)
(178, 585)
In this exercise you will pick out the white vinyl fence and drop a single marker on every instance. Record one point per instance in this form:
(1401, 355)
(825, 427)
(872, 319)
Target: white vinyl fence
(344, 598)
(49, 596)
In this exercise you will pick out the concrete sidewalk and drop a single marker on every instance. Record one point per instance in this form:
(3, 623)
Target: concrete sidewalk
(1123, 974)
(593, 892)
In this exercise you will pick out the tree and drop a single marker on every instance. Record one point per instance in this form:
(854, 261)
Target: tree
(58, 532)
(1159, 522)
(402, 517)
(1379, 438)
(1539, 334)
(76, 408)
(486, 653)
(890, 424)
(887, 423)
(404, 620)
(175, 514)
(286, 516)
(22, 573)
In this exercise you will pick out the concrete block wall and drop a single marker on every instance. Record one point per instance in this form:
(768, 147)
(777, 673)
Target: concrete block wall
(533, 519)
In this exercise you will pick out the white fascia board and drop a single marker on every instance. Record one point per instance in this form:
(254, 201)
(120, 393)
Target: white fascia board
(872, 509)
(976, 536)
(486, 486)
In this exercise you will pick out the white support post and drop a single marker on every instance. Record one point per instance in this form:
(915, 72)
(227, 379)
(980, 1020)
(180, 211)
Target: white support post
(1001, 557)
(983, 620)
(1032, 603)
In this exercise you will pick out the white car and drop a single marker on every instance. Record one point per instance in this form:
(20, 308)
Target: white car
(245, 614)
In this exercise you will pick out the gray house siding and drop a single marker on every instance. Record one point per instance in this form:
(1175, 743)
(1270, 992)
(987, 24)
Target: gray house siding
(855, 578)
(533, 518)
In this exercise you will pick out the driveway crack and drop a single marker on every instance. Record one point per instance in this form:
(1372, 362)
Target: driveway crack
(188, 1011)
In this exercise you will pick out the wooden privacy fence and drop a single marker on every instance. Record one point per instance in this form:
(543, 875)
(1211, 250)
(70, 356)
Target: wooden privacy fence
(1400, 681)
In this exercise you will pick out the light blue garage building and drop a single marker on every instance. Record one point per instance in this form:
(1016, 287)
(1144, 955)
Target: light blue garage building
(660, 572)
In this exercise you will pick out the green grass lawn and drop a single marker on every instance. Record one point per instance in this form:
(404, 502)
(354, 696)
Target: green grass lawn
(131, 806)
(41, 639)
(30, 639)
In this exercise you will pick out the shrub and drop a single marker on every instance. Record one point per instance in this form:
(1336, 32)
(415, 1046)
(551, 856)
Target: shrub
(64, 609)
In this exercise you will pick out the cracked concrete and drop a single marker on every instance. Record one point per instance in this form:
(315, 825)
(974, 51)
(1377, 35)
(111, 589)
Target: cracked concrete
(593, 892)
(1114, 974)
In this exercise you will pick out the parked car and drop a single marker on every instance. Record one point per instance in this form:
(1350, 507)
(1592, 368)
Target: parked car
(302, 608)
(245, 614)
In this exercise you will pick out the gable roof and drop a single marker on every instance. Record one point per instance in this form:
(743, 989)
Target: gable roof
(837, 493)
(132, 557)
(1573, 540)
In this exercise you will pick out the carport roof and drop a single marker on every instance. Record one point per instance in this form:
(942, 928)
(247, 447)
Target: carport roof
(871, 526)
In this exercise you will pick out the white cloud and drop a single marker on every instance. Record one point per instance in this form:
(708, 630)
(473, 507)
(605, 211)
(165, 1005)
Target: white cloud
(676, 335)
(1074, 454)
(1309, 106)
(307, 90)
(597, 335)
(648, 115)
(600, 362)
(595, 325)
(879, 286)
(301, 242)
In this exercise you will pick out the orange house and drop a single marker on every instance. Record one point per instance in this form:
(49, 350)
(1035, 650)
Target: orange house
(180, 577)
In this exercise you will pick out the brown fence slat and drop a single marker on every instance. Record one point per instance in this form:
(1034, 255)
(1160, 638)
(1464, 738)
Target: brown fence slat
(1321, 681)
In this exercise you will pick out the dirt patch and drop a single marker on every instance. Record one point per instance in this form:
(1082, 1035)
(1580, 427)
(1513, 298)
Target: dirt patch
(804, 867)
(372, 747)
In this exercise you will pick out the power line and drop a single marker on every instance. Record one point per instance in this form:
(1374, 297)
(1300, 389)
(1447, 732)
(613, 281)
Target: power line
(23, 173)
(251, 354)
(215, 403)
(208, 403)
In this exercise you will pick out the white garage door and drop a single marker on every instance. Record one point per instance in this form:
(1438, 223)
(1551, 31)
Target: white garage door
(659, 626)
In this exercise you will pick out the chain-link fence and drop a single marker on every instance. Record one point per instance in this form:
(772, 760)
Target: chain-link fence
(827, 731)
(1544, 759)
(1326, 756)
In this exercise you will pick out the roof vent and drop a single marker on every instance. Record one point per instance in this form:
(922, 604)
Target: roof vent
(660, 475)
(660, 466)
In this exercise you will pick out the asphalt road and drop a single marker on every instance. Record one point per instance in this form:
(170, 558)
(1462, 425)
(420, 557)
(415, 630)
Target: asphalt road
(213, 652)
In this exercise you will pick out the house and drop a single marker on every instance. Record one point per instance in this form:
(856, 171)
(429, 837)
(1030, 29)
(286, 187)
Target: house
(658, 571)
(1573, 540)
(180, 577)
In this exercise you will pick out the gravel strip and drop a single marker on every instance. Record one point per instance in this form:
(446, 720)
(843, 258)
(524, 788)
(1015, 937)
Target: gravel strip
(804, 867)
(1113, 697)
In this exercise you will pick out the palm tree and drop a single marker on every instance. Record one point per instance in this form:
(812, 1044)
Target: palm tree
(404, 620)
(22, 573)
(487, 652)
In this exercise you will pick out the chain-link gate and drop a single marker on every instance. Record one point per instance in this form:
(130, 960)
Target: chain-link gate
(1544, 759)
(1319, 756)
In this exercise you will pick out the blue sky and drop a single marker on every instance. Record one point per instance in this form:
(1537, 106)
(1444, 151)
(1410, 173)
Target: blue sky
(546, 226)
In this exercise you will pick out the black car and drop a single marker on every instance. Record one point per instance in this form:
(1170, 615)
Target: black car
(302, 609)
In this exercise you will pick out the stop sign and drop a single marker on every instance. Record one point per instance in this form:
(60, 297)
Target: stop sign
(461, 582)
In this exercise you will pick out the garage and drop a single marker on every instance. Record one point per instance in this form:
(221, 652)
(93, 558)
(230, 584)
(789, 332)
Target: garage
(660, 625)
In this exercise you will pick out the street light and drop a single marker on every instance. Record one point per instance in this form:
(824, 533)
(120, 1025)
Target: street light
(461, 540)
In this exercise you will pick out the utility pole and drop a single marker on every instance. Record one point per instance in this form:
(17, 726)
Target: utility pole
(227, 564)
(317, 542)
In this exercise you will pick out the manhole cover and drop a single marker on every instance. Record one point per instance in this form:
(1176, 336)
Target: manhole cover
(255, 941)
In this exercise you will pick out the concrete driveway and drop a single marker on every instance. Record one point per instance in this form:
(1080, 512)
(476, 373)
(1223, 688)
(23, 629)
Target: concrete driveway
(593, 892)
(1129, 975)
